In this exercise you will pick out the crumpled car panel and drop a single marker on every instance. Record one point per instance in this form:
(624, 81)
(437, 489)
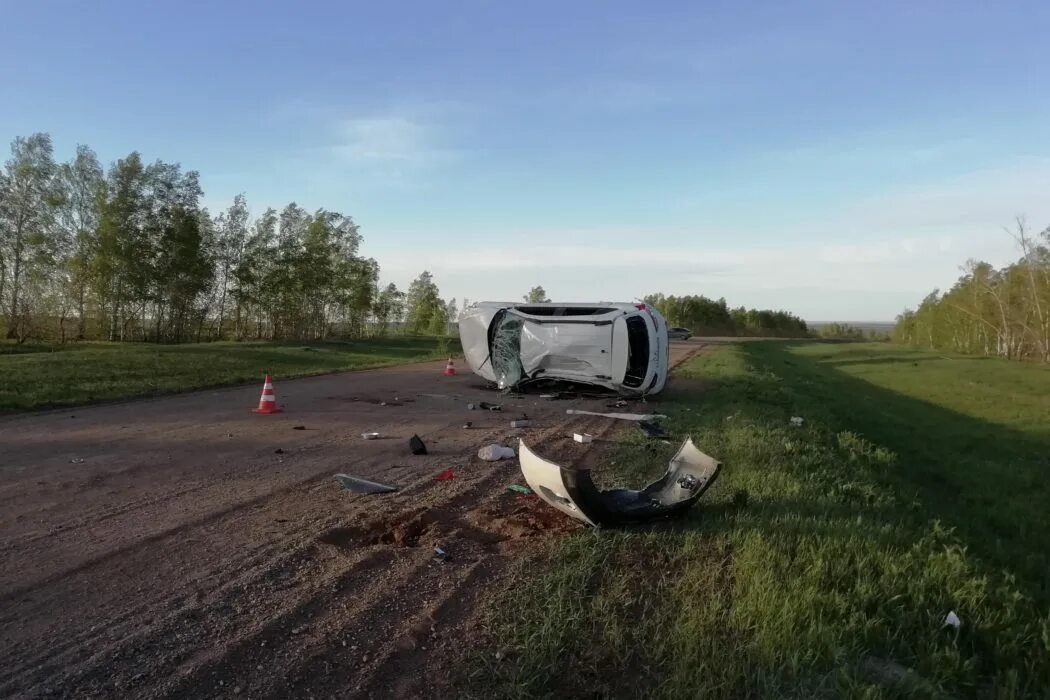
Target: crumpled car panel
(572, 491)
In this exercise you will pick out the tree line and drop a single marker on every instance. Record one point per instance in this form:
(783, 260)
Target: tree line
(999, 312)
(705, 316)
(129, 253)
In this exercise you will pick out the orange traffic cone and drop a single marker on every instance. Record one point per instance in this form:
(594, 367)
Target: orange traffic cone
(450, 370)
(267, 402)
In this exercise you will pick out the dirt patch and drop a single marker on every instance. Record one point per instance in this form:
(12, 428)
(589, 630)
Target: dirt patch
(186, 557)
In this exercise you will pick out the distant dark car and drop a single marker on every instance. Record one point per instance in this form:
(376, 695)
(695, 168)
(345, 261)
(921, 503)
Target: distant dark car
(679, 333)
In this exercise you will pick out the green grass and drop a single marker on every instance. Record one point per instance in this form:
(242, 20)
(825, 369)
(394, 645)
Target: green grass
(44, 377)
(825, 559)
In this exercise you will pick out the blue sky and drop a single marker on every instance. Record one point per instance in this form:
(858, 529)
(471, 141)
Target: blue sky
(835, 159)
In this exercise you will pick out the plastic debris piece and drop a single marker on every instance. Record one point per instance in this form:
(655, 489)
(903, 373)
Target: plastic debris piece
(618, 404)
(298, 427)
(417, 446)
(370, 436)
(620, 416)
(796, 421)
(952, 620)
(651, 430)
(471, 406)
(447, 475)
(77, 460)
(356, 485)
(494, 453)
(573, 492)
(440, 553)
(583, 438)
(522, 423)
(518, 488)
(467, 425)
(485, 406)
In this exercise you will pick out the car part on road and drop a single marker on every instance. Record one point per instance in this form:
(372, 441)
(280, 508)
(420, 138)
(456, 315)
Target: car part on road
(447, 475)
(416, 445)
(494, 453)
(689, 474)
(352, 483)
(649, 417)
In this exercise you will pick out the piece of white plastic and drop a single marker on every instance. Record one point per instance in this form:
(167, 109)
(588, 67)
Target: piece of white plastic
(370, 436)
(583, 437)
(494, 453)
(952, 620)
(796, 421)
(619, 416)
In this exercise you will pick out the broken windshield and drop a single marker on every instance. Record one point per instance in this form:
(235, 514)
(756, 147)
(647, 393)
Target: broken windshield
(505, 349)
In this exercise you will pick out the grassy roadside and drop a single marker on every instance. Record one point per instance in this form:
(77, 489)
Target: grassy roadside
(826, 558)
(44, 377)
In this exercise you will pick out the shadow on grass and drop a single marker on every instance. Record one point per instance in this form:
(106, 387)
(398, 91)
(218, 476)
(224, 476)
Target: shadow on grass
(986, 481)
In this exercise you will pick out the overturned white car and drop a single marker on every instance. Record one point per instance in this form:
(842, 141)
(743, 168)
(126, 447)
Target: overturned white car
(621, 347)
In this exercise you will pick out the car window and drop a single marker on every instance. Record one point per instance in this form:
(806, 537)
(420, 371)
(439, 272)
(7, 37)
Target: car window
(505, 349)
(638, 357)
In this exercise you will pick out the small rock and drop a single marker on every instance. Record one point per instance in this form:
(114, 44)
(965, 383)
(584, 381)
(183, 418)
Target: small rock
(499, 655)
(237, 690)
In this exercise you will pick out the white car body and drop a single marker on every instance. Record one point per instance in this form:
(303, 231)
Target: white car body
(621, 347)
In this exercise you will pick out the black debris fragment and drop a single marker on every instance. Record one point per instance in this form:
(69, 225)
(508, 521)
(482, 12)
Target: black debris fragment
(651, 430)
(417, 446)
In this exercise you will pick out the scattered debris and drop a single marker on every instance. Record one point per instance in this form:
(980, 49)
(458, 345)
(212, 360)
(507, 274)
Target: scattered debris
(796, 421)
(651, 430)
(618, 404)
(689, 474)
(447, 475)
(518, 488)
(417, 446)
(352, 483)
(952, 620)
(522, 423)
(484, 406)
(649, 417)
(77, 460)
(439, 553)
(494, 453)
(583, 438)
(278, 451)
(370, 436)
(467, 425)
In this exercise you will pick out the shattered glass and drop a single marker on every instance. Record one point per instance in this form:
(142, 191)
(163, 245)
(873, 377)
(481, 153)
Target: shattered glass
(506, 350)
